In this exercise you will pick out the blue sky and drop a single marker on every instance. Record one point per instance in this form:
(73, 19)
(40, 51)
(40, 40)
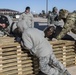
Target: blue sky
(38, 5)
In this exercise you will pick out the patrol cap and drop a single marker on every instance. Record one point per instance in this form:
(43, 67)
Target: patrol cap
(50, 28)
(27, 8)
(54, 9)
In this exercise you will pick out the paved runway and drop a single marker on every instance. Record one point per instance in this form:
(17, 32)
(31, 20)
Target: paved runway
(72, 70)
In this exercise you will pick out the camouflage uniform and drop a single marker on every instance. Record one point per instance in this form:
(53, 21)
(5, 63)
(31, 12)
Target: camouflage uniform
(33, 40)
(3, 20)
(52, 16)
(11, 26)
(70, 25)
(28, 18)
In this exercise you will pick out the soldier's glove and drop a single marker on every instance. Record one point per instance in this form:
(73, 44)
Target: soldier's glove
(66, 73)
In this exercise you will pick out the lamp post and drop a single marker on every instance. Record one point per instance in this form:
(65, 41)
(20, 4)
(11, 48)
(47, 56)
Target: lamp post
(46, 6)
(47, 11)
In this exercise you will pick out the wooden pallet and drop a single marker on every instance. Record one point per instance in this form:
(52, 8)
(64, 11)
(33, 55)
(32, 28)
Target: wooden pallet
(64, 52)
(15, 61)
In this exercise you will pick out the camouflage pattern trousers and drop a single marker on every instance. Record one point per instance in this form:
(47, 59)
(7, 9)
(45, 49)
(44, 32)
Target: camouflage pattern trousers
(49, 65)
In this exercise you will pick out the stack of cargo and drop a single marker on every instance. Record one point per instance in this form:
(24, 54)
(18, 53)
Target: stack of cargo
(26, 63)
(17, 61)
(64, 51)
(35, 65)
(14, 61)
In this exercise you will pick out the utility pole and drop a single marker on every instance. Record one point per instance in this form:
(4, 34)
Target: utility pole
(47, 11)
(46, 6)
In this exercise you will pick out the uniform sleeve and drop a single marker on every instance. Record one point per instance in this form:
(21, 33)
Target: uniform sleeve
(32, 19)
(9, 19)
(68, 25)
(26, 41)
(48, 19)
(21, 17)
(51, 19)
(59, 23)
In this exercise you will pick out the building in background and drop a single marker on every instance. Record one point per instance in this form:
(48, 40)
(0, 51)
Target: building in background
(9, 12)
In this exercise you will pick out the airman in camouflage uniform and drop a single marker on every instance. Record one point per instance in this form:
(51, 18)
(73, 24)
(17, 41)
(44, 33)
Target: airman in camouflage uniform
(33, 40)
(59, 21)
(4, 23)
(70, 25)
(52, 16)
(27, 17)
(7, 26)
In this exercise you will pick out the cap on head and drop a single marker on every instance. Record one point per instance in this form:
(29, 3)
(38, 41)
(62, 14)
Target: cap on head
(63, 13)
(55, 9)
(27, 8)
(49, 31)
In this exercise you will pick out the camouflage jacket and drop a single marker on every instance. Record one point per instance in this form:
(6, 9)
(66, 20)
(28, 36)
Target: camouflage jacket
(70, 25)
(28, 19)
